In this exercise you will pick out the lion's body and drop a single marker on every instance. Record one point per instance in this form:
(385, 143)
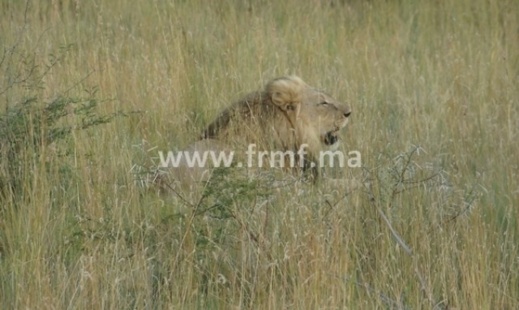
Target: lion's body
(287, 115)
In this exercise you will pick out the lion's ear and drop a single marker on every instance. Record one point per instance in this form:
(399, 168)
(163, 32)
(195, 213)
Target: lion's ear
(286, 101)
(286, 92)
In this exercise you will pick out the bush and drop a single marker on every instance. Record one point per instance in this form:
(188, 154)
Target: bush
(29, 123)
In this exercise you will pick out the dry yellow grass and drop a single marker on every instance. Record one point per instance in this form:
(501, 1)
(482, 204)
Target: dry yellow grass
(81, 233)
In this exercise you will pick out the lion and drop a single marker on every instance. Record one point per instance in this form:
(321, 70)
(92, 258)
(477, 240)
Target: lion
(286, 116)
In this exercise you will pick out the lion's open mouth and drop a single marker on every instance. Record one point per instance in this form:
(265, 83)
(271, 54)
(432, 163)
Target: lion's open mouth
(330, 138)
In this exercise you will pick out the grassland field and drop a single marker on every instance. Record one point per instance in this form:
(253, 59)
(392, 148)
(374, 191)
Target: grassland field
(91, 90)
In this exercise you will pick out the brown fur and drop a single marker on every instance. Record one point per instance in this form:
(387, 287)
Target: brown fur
(282, 117)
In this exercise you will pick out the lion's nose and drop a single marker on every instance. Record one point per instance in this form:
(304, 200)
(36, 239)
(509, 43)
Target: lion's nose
(347, 114)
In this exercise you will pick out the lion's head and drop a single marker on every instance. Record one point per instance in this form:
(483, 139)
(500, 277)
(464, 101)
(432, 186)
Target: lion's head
(286, 114)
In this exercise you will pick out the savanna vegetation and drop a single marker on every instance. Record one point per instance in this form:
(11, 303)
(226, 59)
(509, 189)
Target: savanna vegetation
(91, 90)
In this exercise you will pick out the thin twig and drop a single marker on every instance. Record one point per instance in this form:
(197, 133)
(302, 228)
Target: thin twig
(398, 239)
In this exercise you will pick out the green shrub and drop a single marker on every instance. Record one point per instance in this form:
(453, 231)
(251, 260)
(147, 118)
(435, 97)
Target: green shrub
(29, 123)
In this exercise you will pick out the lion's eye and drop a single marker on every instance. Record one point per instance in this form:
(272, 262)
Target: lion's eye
(324, 103)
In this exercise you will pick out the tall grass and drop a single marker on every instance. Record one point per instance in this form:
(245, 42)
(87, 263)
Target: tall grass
(435, 98)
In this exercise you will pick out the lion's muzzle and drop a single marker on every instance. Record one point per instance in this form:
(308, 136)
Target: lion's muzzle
(331, 138)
